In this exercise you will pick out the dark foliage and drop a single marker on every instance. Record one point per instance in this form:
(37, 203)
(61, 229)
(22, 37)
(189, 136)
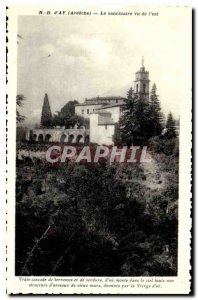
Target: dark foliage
(19, 102)
(140, 119)
(165, 144)
(46, 115)
(67, 117)
(83, 220)
(21, 133)
(156, 114)
(117, 136)
(170, 125)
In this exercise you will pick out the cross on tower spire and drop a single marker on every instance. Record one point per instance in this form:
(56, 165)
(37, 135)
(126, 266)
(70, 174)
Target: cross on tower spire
(142, 61)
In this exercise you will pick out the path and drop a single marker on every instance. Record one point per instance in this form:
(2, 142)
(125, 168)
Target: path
(155, 179)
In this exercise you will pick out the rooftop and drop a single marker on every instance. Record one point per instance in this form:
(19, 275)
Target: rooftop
(111, 105)
(101, 100)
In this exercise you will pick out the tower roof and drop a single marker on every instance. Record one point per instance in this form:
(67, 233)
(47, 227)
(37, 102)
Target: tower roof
(142, 61)
(142, 64)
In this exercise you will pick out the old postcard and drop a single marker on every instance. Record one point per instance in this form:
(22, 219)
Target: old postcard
(99, 150)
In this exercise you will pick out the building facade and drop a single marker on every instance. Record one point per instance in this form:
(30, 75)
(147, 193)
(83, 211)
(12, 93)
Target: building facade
(90, 106)
(103, 112)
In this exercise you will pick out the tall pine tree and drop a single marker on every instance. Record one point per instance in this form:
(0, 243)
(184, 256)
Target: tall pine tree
(170, 125)
(156, 114)
(127, 119)
(46, 115)
(135, 122)
(144, 122)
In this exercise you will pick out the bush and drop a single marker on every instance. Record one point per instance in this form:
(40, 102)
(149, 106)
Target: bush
(167, 146)
(100, 225)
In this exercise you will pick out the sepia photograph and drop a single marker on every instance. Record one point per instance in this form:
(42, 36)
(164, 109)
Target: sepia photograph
(98, 143)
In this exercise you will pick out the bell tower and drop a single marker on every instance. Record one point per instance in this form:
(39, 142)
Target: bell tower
(141, 83)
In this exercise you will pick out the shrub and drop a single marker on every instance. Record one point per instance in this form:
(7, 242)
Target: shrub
(166, 146)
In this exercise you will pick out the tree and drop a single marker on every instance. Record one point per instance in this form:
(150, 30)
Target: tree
(155, 109)
(143, 123)
(170, 125)
(67, 117)
(128, 119)
(135, 122)
(19, 102)
(21, 133)
(46, 115)
(177, 122)
(117, 137)
(100, 229)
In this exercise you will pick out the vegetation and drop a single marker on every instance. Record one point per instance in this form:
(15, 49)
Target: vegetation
(19, 102)
(141, 119)
(170, 125)
(46, 115)
(67, 117)
(166, 145)
(156, 114)
(96, 220)
(21, 133)
(100, 219)
(117, 137)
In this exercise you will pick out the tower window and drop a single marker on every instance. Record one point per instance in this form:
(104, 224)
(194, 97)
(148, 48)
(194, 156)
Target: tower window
(144, 88)
(87, 111)
(82, 111)
(136, 88)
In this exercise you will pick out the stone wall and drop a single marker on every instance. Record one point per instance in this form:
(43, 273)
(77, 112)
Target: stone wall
(58, 135)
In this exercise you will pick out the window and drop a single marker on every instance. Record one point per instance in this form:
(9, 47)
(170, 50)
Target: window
(82, 111)
(116, 100)
(136, 88)
(144, 88)
(87, 111)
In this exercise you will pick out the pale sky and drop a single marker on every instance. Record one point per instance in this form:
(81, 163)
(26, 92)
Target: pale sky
(98, 56)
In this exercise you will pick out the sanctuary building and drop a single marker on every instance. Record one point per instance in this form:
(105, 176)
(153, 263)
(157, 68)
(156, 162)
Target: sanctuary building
(103, 112)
